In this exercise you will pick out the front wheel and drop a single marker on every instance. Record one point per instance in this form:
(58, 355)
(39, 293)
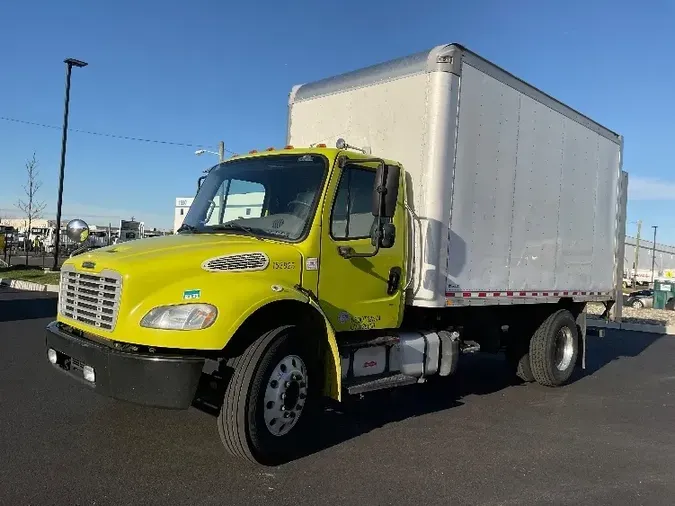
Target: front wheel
(270, 399)
(637, 304)
(554, 348)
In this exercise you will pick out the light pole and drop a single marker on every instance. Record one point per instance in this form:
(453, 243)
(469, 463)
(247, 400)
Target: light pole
(654, 252)
(70, 63)
(220, 154)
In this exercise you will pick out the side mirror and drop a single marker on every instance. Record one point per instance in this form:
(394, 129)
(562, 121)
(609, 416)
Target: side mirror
(385, 237)
(77, 230)
(385, 191)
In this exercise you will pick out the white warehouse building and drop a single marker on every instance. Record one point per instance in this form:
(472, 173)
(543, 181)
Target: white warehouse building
(238, 205)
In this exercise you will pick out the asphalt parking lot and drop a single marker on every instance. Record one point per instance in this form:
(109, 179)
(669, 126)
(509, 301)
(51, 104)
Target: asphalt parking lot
(608, 438)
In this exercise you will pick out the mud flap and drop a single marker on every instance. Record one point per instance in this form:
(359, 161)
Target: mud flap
(581, 326)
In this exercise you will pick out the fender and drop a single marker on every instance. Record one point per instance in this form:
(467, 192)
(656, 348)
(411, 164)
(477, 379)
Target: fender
(333, 385)
(332, 363)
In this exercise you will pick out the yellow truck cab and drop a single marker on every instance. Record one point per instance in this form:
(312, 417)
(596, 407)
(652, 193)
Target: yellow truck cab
(137, 321)
(471, 227)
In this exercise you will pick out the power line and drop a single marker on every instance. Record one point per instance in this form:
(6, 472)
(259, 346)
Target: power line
(100, 134)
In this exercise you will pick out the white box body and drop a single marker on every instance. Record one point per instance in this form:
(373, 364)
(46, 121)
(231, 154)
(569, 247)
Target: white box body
(517, 196)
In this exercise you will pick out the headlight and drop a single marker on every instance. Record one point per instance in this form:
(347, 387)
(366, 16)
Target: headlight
(181, 317)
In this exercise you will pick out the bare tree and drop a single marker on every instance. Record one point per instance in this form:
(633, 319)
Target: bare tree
(31, 208)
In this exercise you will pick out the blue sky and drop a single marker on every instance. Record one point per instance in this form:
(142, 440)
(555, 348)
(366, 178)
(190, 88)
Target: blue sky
(198, 72)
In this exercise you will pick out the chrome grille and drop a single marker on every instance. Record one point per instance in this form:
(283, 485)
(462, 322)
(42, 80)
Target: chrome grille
(237, 262)
(92, 299)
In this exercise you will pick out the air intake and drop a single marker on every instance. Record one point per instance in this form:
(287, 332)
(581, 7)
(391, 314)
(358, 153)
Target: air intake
(237, 263)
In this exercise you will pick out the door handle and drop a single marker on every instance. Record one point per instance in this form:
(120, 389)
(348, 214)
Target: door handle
(394, 280)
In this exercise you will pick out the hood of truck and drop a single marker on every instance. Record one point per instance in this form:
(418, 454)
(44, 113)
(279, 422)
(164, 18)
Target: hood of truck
(187, 268)
(177, 251)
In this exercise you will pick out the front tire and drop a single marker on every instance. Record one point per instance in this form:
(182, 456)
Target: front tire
(554, 349)
(271, 398)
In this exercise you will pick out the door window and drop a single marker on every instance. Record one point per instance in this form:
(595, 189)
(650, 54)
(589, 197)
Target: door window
(352, 216)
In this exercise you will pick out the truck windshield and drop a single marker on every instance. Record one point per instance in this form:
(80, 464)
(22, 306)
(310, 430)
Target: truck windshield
(273, 196)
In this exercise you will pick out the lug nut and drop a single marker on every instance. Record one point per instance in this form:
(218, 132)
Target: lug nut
(283, 396)
(287, 415)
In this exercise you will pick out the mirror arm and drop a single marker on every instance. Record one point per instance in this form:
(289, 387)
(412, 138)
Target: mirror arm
(348, 252)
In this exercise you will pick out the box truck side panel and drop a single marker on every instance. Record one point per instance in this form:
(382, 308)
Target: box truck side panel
(535, 193)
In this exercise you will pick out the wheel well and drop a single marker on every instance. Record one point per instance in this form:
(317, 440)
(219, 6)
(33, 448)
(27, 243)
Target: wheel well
(273, 315)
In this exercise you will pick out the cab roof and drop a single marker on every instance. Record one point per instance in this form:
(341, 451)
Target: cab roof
(330, 153)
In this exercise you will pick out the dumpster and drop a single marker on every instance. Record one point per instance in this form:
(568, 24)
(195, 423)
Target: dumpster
(664, 294)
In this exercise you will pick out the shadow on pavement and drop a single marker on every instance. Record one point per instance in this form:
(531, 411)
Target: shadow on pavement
(478, 375)
(26, 305)
(601, 351)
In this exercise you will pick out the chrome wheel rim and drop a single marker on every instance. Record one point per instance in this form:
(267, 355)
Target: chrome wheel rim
(564, 348)
(285, 395)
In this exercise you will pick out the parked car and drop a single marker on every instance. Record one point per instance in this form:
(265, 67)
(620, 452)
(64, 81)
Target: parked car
(639, 299)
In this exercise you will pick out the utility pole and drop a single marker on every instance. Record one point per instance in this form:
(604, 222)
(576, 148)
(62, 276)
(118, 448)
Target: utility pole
(221, 151)
(654, 252)
(637, 253)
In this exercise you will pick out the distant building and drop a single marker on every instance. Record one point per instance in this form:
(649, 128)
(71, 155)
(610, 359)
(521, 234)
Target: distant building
(238, 205)
(663, 256)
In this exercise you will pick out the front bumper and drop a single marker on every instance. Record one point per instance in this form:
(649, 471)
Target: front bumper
(151, 379)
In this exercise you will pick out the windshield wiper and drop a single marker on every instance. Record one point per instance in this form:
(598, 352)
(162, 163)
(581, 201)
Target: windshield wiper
(238, 226)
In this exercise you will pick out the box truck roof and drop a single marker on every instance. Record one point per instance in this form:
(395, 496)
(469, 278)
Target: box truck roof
(448, 58)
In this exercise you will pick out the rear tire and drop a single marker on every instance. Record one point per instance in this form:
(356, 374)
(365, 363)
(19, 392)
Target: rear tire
(554, 349)
(637, 304)
(257, 422)
(518, 358)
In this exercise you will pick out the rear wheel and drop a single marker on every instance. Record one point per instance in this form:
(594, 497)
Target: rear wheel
(518, 358)
(671, 304)
(271, 398)
(554, 348)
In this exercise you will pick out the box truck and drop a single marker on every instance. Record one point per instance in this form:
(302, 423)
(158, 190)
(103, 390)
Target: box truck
(424, 208)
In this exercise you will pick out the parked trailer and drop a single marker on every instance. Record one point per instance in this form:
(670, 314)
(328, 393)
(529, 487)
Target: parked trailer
(475, 213)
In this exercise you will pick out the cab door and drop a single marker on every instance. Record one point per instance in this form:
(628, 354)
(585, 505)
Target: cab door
(359, 293)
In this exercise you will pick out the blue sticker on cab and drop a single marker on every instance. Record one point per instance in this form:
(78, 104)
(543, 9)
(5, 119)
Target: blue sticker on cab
(192, 294)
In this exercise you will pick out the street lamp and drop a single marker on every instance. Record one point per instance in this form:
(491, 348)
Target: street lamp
(70, 63)
(220, 154)
(200, 152)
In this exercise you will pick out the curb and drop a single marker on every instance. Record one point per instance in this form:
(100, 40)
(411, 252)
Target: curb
(633, 327)
(28, 285)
